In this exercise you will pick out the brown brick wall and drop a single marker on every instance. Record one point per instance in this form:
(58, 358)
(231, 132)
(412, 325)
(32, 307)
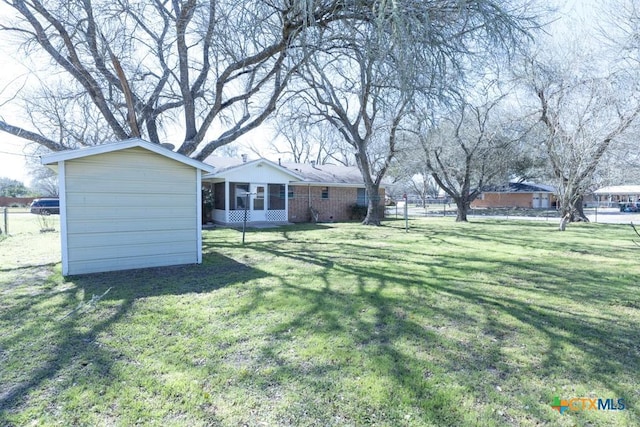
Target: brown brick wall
(22, 201)
(504, 200)
(335, 208)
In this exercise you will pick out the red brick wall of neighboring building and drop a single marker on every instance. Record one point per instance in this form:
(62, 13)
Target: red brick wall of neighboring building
(335, 208)
(504, 200)
(22, 201)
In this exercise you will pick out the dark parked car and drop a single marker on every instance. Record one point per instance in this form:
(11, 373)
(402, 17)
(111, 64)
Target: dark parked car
(45, 206)
(630, 206)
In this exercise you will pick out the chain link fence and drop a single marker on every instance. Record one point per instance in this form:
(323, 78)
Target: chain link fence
(15, 221)
(595, 214)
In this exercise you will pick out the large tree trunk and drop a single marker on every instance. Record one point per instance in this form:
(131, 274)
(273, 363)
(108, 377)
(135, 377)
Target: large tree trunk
(463, 207)
(375, 208)
(578, 209)
(572, 206)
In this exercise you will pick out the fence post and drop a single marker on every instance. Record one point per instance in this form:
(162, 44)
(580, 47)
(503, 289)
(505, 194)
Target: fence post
(406, 213)
(6, 220)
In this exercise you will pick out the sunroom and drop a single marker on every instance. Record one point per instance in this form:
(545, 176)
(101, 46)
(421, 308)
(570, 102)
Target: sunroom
(252, 190)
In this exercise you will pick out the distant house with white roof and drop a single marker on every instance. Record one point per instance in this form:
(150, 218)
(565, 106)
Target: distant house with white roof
(613, 195)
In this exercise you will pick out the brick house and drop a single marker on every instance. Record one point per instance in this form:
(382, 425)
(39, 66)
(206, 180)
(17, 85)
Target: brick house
(265, 191)
(516, 195)
(12, 201)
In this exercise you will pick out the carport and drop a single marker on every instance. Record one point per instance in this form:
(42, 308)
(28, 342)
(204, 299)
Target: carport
(128, 204)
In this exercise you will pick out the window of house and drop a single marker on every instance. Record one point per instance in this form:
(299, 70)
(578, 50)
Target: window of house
(361, 198)
(325, 192)
(218, 195)
(238, 195)
(290, 194)
(258, 200)
(276, 197)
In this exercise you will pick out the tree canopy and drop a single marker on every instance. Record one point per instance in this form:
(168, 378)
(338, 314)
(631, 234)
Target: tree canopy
(198, 74)
(13, 188)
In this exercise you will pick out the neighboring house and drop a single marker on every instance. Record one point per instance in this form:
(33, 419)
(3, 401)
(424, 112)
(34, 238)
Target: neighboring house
(282, 192)
(612, 196)
(516, 195)
(16, 201)
(128, 204)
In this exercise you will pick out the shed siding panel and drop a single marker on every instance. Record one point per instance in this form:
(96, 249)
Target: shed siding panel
(84, 267)
(130, 209)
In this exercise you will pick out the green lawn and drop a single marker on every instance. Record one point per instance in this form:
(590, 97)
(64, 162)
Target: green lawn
(448, 325)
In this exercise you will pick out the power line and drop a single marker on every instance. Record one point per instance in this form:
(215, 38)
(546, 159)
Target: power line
(19, 154)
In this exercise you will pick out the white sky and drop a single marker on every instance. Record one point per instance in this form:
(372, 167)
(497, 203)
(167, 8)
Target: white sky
(13, 72)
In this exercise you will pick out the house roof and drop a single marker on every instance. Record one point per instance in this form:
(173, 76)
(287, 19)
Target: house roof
(619, 190)
(301, 173)
(122, 145)
(327, 174)
(224, 164)
(518, 187)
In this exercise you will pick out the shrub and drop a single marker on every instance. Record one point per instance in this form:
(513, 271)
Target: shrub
(357, 212)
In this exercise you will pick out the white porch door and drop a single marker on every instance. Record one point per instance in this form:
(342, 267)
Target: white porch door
(259, 202)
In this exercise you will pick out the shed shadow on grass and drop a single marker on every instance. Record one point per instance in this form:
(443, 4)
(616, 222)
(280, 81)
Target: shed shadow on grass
(68, 351)
(216, 271)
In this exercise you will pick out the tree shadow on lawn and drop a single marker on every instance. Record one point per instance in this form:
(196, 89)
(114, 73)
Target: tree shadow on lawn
(545, 236)
(27, 267)
(431, 349)
(85, 306)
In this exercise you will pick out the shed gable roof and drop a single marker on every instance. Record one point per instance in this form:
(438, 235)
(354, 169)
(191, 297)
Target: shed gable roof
(123, 145)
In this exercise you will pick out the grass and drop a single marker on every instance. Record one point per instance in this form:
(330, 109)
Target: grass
(28, 245)
(340, 324)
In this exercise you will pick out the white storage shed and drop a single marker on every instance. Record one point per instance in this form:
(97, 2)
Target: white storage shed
(128, 204)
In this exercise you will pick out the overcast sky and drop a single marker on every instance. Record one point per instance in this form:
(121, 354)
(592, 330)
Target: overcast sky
(573, 16)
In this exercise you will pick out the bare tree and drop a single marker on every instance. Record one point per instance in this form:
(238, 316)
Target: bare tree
(466, 149)
(409, 174)
(44, 181)
(302, 139)
(619, 29)
(583, 115)
(357, 104)
(363, 79)
(425, 186)
(213, 69)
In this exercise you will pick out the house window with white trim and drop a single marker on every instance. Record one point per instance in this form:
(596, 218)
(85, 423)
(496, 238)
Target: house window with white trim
(325, 192)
